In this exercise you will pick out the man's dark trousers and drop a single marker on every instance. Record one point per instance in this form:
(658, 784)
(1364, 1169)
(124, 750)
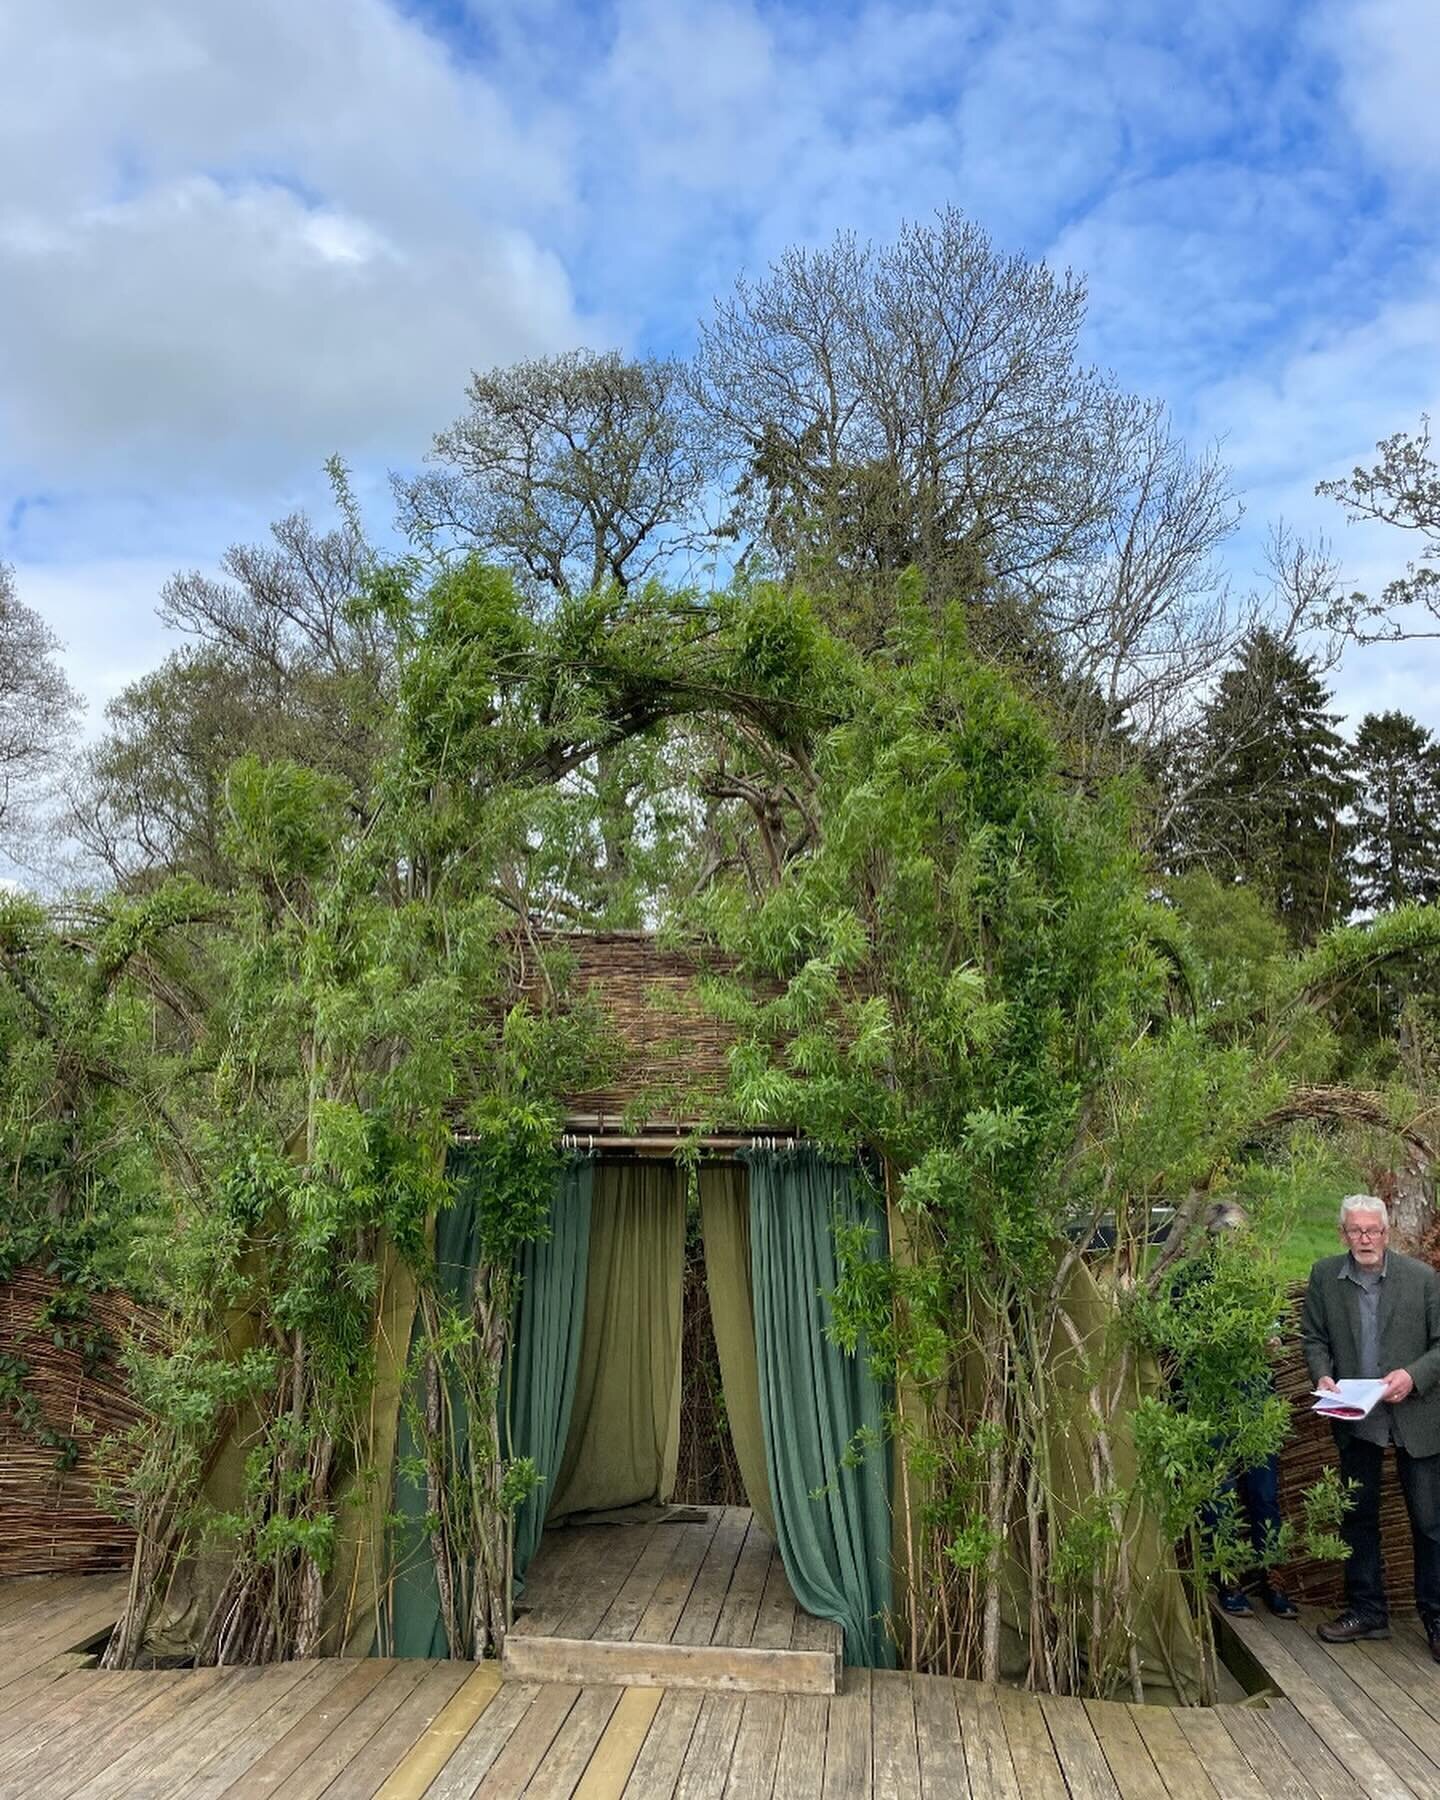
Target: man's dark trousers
(1363, 1463)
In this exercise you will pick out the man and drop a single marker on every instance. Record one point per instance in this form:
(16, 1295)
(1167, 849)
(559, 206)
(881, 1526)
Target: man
(1371, 1313)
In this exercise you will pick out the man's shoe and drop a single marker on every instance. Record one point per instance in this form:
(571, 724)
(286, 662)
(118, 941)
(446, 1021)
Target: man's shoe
(1349, 1627)
(1235, 1602)
(1279, 1602)
(1432, 1632)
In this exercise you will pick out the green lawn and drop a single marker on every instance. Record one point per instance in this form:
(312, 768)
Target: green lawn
(1309, 1232)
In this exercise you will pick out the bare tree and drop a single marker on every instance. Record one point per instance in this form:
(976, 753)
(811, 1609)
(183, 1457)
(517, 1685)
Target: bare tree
(286, 661)
(575, 471)
(913, 404)
(38, 707)
(1401, 489)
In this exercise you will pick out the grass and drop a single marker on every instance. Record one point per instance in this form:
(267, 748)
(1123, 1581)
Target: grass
(1310, 1230)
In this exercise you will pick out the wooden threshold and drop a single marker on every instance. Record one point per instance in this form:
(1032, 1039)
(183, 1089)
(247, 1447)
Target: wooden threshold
(717, 1668)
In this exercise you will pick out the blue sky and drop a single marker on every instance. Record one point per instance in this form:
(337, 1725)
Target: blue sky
(235, 238)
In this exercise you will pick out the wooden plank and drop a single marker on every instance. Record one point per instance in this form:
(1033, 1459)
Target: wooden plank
(1130, 1763)
(943, 1772)
(1311, 1757)
(1420, 1681)
(987, 1747)
(1220, 1756)
(569, 1755)
(757, 1748)
(800, 1767)
(720, 1668)
(561, 1562)
(895, 1745)
(168, 1752)
(410, 1719)
(657, 1623)
(597, 1581)
(439, 1741)
(1078, 1750)
(528, 1743)
(736, 1623)
(14, 1699)
(1037, 1768)
(1273, 1765)
(310, 1778)
(628, 1607)
(696, 1624)
(72, 1624)
(848, 1740)
(613, 1762)
(283, 1755)
(50, 1737)
(487, 1738)
(37, 1696)
(228, 1731)
(1350, 1745)
(706, 1767)
(810, 1633)
(662, 1755)
(1174, 1755)
(775, 1619)
(1408, 1695)
(1404, 1733)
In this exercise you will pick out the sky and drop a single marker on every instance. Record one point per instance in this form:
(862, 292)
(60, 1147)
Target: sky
(237, 238)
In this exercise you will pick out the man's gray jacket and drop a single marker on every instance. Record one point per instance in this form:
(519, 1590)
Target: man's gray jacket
(1409, 1339)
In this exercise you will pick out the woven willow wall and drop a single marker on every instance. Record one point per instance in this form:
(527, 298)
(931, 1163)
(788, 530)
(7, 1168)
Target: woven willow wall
(50, 1520)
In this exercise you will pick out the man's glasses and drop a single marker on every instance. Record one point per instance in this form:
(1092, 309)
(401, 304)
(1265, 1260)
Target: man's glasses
(1366, 1231)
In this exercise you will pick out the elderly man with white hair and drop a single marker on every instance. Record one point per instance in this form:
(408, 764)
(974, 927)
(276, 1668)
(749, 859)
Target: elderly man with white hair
(1371, 1313)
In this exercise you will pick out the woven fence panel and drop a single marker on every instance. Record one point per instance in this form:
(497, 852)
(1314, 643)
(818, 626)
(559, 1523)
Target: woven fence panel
(50, 1519)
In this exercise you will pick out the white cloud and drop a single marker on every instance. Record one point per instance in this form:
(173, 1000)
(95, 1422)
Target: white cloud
(1388, 54)
(233, 239)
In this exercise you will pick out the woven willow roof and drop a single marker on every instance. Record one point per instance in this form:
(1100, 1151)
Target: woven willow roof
(668, 1050)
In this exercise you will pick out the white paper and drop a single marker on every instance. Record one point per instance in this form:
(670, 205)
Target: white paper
(1355, 1400)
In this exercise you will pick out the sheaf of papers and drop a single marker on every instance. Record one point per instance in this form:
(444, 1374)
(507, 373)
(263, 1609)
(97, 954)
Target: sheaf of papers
(1355, 1399)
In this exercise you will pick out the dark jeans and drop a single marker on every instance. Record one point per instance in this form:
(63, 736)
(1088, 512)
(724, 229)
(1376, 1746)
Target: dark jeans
(1363, 1463)
(1258, 1492)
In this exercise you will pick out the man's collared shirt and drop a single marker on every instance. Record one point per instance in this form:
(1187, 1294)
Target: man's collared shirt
(1376, 1428)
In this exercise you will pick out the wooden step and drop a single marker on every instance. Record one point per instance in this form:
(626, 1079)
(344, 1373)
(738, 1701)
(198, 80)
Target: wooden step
(718, 1668)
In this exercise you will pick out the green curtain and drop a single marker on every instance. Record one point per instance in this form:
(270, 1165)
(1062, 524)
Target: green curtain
(415, 1625)
(624, 1437)
(545, 1347)
(725, 1226)
(832, 1512)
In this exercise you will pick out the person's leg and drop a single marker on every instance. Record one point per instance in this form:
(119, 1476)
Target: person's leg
(1420, 1483)
(1363, 1463)
(1230, 1594)
(1260, 1496)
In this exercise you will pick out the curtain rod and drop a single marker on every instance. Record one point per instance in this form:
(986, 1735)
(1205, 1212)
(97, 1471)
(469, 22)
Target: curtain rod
(580, 1140)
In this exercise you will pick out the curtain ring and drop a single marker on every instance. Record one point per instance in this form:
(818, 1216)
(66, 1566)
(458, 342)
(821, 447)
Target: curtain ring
(592, 1143)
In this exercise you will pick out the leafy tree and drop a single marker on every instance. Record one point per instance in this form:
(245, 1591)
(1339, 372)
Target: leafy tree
(1397, 812)
(1267, 786)
(575, 472)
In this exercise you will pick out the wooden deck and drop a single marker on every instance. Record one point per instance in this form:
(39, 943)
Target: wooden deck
(696, 1600)
(448, 1731)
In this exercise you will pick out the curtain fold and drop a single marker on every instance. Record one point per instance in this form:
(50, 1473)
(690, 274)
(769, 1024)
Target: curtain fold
(725, 1227)
(624, 1436)
(545, 1348)
(817, 1404)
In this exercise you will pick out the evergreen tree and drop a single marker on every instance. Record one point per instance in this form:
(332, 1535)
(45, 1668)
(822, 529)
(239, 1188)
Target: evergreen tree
(1267, 782)
(1397, 813)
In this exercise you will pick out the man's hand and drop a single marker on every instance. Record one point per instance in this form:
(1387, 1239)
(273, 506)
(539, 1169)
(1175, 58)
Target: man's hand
(1326, 1385)
(1398, 1385)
